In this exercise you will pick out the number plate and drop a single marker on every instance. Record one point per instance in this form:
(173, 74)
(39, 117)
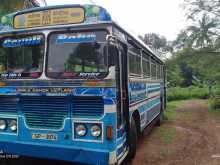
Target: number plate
(42, 136)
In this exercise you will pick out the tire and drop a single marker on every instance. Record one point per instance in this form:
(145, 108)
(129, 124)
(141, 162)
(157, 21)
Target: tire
(132, 140)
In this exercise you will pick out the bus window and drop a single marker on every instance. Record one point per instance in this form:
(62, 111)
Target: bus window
(146, 65)
(153, 69)
(77, 53)
(158, 71)
(21, 57)
(134, 64)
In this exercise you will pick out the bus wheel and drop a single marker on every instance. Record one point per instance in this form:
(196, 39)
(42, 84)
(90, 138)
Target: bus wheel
(132, 140)
(160, 119)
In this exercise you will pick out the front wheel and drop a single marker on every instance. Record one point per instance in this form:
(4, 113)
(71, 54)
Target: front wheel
(132, 140)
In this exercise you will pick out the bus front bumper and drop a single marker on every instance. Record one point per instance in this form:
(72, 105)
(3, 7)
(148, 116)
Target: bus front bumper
(66, 153)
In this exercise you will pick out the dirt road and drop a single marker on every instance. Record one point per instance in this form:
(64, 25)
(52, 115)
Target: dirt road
(192, 137)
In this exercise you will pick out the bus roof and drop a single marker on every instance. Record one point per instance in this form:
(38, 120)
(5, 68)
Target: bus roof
(34, 18)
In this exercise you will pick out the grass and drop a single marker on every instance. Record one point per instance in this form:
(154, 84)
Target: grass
(178, 93)
(213, 111)
(167, 134)
(170, 112)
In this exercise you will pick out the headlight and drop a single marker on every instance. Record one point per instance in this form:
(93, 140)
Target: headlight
(81, 130)
(96, 131)
(3, 124)
(13, 125)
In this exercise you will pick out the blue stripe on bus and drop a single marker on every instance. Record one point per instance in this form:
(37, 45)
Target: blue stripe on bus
(121, 150)
(149, 105)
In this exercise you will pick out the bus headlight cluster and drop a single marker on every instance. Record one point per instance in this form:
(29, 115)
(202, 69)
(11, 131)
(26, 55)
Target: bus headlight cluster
(8, 125)
(93, 130)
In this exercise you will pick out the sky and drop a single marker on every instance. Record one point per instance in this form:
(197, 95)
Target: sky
(164, 17)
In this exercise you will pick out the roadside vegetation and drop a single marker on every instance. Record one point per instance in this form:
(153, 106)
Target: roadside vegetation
(193, 70)
(170, 112)
(186, 93)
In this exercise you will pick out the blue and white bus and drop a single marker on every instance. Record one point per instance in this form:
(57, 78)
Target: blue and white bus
(75, 86)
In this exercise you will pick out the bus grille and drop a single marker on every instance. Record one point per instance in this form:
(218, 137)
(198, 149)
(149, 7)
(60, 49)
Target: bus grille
(87, 106)
(8, 105)
(45, 112)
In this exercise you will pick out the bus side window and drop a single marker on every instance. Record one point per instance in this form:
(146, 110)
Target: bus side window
(134, 55)
(146, 64)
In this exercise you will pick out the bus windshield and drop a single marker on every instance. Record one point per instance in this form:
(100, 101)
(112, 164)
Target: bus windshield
(77, 55)
(21, 57)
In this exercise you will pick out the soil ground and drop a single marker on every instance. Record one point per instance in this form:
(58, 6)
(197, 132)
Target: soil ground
(190, 136)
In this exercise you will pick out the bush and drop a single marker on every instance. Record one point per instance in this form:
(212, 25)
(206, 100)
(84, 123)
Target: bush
(213, 104)
(214, 101)
(192, 92)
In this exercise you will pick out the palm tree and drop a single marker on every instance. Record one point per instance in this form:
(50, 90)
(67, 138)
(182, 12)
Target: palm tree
(182, 40)
(201, 35)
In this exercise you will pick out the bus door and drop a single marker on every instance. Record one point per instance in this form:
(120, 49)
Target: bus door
(119, 52)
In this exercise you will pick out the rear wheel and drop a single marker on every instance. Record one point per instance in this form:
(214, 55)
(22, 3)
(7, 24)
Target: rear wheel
(132, 140)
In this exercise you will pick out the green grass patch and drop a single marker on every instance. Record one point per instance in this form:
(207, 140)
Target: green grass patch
(192, 92)
(213, 111)
(170, 112)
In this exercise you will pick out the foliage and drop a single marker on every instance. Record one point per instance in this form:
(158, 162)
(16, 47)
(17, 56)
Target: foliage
(192, 92)
(196, 7)
(7, 7)
(202, 35)
(213, 104)
(156, 41)
(182, 40)
(170, 112)
(194, 67)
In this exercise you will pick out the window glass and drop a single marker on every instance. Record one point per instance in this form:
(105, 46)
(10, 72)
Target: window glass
(158, 72)
(21, 56)
(134, 64)
(134, 61)
(146, 65)
(77, 54)
(153, 70)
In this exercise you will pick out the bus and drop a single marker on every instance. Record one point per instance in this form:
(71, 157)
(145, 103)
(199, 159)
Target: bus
(75, 86)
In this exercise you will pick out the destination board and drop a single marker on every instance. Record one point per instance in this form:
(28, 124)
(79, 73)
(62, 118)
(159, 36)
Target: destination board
(49, 17)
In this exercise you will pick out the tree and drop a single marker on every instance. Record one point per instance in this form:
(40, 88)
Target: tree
(14, 5)
(182, 41)
(202, 35)
(7, 7)
(155, 40)
(198, 7)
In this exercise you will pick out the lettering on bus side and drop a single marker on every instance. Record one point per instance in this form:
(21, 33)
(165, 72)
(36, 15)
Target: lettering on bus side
(89, 74)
